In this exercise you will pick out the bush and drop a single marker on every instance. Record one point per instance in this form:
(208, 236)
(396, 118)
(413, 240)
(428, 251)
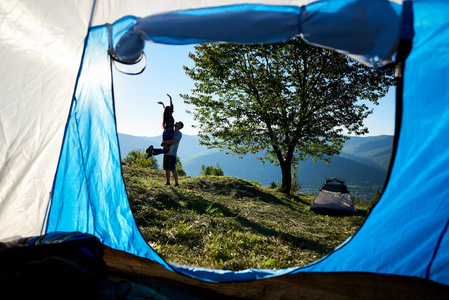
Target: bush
(137, 157)
(211, 170)
(375, 198)
(179, 169)
(256, 183)
(296, 186)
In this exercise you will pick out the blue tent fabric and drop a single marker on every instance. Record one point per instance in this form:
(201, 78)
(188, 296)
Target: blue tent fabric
(89, 187)
(89, 193)
(407, 230)
(406, 233)
(359, 32)
(427, 83)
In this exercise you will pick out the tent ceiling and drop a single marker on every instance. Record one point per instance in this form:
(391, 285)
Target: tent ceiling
(112, 10)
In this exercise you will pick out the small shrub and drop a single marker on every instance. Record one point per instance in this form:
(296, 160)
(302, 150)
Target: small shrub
(296, 186)
(137, 157)
(277, 186)
(375, 198)
(211, 170)
(179, 169)
(272, 263)
(256, 183)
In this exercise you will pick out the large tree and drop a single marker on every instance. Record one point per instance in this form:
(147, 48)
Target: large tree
(287, 101)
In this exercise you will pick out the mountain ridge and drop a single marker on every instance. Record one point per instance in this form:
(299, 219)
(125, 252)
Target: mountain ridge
(363, 162)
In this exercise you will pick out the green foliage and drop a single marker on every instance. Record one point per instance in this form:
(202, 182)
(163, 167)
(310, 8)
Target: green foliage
(211, 170)
(137, 157)
(272, 263)
(256, 183)
(276, 185)
(286, 101)
(296, 186)
(375, 198)
(228, 223)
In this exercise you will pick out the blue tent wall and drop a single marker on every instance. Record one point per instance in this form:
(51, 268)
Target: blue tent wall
(404, 235)
(89, 193)
(424, 155)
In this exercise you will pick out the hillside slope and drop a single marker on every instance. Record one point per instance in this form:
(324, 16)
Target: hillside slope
(228, 223)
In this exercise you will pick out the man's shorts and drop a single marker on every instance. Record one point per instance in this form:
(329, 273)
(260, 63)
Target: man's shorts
(169, 162)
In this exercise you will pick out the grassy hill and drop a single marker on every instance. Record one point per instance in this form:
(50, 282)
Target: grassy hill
(228, 223)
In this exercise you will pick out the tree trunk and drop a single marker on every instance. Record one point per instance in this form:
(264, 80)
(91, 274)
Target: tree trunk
(286, 167)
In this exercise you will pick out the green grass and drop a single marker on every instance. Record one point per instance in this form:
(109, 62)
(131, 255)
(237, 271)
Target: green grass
(223, 222)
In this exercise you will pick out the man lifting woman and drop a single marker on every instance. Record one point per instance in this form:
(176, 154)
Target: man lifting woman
(171, 136)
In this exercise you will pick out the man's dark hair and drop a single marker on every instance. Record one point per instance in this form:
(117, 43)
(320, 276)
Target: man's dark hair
(182, 125)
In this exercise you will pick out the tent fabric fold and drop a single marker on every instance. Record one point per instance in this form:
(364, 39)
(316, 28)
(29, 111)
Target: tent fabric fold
(89, 193)
(359, 32)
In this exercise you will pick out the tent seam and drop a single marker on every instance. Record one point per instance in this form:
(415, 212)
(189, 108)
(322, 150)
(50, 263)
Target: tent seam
(437, 248)
(94, 5)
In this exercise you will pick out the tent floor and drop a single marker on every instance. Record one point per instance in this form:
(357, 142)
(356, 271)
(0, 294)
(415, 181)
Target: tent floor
(142, 278)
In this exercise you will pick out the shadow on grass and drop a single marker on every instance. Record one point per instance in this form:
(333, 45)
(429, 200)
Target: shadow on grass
(201, 205)
(240, 189)
(300, 242)
(176, 199)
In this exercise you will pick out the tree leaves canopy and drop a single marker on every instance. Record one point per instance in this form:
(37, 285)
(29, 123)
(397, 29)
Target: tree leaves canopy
(287, 100)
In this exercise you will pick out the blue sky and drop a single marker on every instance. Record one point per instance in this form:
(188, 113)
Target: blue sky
(136, 96)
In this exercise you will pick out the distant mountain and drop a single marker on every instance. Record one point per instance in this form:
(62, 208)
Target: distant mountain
(363, 162)
(130, 142)
(376, 149)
